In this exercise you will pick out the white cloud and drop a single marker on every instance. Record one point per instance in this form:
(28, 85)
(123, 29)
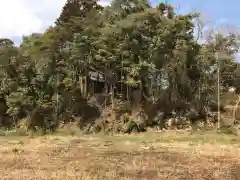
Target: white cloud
(105, 2)
(23, 17)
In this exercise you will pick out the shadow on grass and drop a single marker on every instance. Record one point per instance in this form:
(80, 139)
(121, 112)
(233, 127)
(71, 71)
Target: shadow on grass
(195, 138)
(222, 137)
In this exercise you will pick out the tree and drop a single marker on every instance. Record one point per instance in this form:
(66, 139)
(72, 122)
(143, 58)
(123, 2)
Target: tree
(145, 56)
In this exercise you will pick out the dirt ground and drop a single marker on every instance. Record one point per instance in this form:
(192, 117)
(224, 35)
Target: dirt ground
(136, 157)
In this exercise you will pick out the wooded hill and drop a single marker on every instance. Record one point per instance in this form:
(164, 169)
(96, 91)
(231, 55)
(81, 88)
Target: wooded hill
(101, 65)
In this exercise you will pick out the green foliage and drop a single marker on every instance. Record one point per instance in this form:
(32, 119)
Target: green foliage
(131, 44)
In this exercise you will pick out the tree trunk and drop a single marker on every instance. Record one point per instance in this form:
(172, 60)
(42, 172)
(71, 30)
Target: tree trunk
(194, 126)
(81, 84)
(235, 108)
(113, 103)
(85, 87)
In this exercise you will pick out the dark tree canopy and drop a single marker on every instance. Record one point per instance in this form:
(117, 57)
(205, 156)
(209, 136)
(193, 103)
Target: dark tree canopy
(123, 55)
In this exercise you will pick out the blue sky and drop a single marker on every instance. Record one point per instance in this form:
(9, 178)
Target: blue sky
(218, 14)
(28, 16)
(215, 13)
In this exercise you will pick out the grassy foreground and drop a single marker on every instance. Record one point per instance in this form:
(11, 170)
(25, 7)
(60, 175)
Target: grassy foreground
(145, 156)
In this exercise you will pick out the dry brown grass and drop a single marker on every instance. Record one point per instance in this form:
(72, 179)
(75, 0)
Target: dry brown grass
(136, 157)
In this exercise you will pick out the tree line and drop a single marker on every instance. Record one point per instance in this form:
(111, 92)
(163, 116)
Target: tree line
(101, 65)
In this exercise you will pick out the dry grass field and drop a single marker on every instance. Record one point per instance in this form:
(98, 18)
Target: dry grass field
(148, 156)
